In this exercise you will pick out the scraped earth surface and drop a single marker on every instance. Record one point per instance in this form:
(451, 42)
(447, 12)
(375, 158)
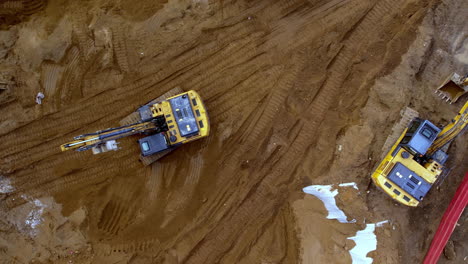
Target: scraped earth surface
(298, 92)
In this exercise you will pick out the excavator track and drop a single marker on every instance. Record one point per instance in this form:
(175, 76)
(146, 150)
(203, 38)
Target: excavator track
(406, 116)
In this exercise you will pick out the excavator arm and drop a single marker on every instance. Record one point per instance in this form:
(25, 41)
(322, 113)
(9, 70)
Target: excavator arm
(88, 141)
(451, 131)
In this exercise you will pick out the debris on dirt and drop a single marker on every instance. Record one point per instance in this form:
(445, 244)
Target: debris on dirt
(5, 185)
(449, 250)
(39, 98)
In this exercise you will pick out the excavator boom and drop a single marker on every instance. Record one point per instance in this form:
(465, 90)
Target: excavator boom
(452, 130)
(87, 141)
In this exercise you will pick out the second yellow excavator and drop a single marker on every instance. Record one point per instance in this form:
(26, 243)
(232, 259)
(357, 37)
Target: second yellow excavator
(416, 161)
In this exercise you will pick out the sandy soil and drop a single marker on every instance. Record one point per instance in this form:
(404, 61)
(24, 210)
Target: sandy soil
(298, 92)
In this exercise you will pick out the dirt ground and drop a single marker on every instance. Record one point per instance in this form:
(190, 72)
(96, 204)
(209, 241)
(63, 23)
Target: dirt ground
(299, 92)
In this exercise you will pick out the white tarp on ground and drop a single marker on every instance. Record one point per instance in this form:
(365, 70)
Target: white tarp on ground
(5, 185)
(366, 240)
(327, 196)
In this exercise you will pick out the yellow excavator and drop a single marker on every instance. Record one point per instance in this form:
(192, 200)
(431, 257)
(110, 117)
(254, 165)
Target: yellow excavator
(416, 161)
(167, 122)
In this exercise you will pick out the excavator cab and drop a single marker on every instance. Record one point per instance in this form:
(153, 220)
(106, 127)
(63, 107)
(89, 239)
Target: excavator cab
(419, 136)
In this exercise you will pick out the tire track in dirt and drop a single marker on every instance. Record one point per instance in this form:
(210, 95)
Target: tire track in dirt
(21, 7)
(15, 144)
(210, 249)
(80, 35)
(176, 204)
(39, 149)
(124, 49)
(105, 106)
(32, 6)
(232, 101)
(149, 245)
(71, 80)
(196, 165)
(11, 7)
(210, 82)
(52, 125)
(315, 13)
(203, 79)
(153, 181)
(43, 179)
(207, 52)
(51, 77)
(51, 74)
(284, 83)
(120, 210)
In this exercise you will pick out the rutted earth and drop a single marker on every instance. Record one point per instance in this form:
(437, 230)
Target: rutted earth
(299, 93)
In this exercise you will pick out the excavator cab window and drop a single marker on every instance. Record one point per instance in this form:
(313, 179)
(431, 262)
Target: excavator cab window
(145, 146)
(414, 126)
(405, 140)
(427, 132)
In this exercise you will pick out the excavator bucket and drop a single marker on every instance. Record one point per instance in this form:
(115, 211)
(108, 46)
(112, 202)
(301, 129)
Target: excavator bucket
(453, 87)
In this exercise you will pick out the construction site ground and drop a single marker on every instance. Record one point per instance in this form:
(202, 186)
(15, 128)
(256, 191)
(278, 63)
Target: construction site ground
(299, 93)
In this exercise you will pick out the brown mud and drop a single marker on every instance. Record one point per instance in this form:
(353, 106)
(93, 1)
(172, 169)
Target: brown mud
(298, 92)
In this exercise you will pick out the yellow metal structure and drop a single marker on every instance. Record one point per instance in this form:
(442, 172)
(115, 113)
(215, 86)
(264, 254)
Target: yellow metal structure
(422, 165)
(179, 119)
(164, 108)
(380, 174)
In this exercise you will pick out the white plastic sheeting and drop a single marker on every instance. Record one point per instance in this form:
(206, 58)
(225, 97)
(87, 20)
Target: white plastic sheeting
(5, 185)
(349, 184)
(366, 241)
(34, 217)
(327, 196)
